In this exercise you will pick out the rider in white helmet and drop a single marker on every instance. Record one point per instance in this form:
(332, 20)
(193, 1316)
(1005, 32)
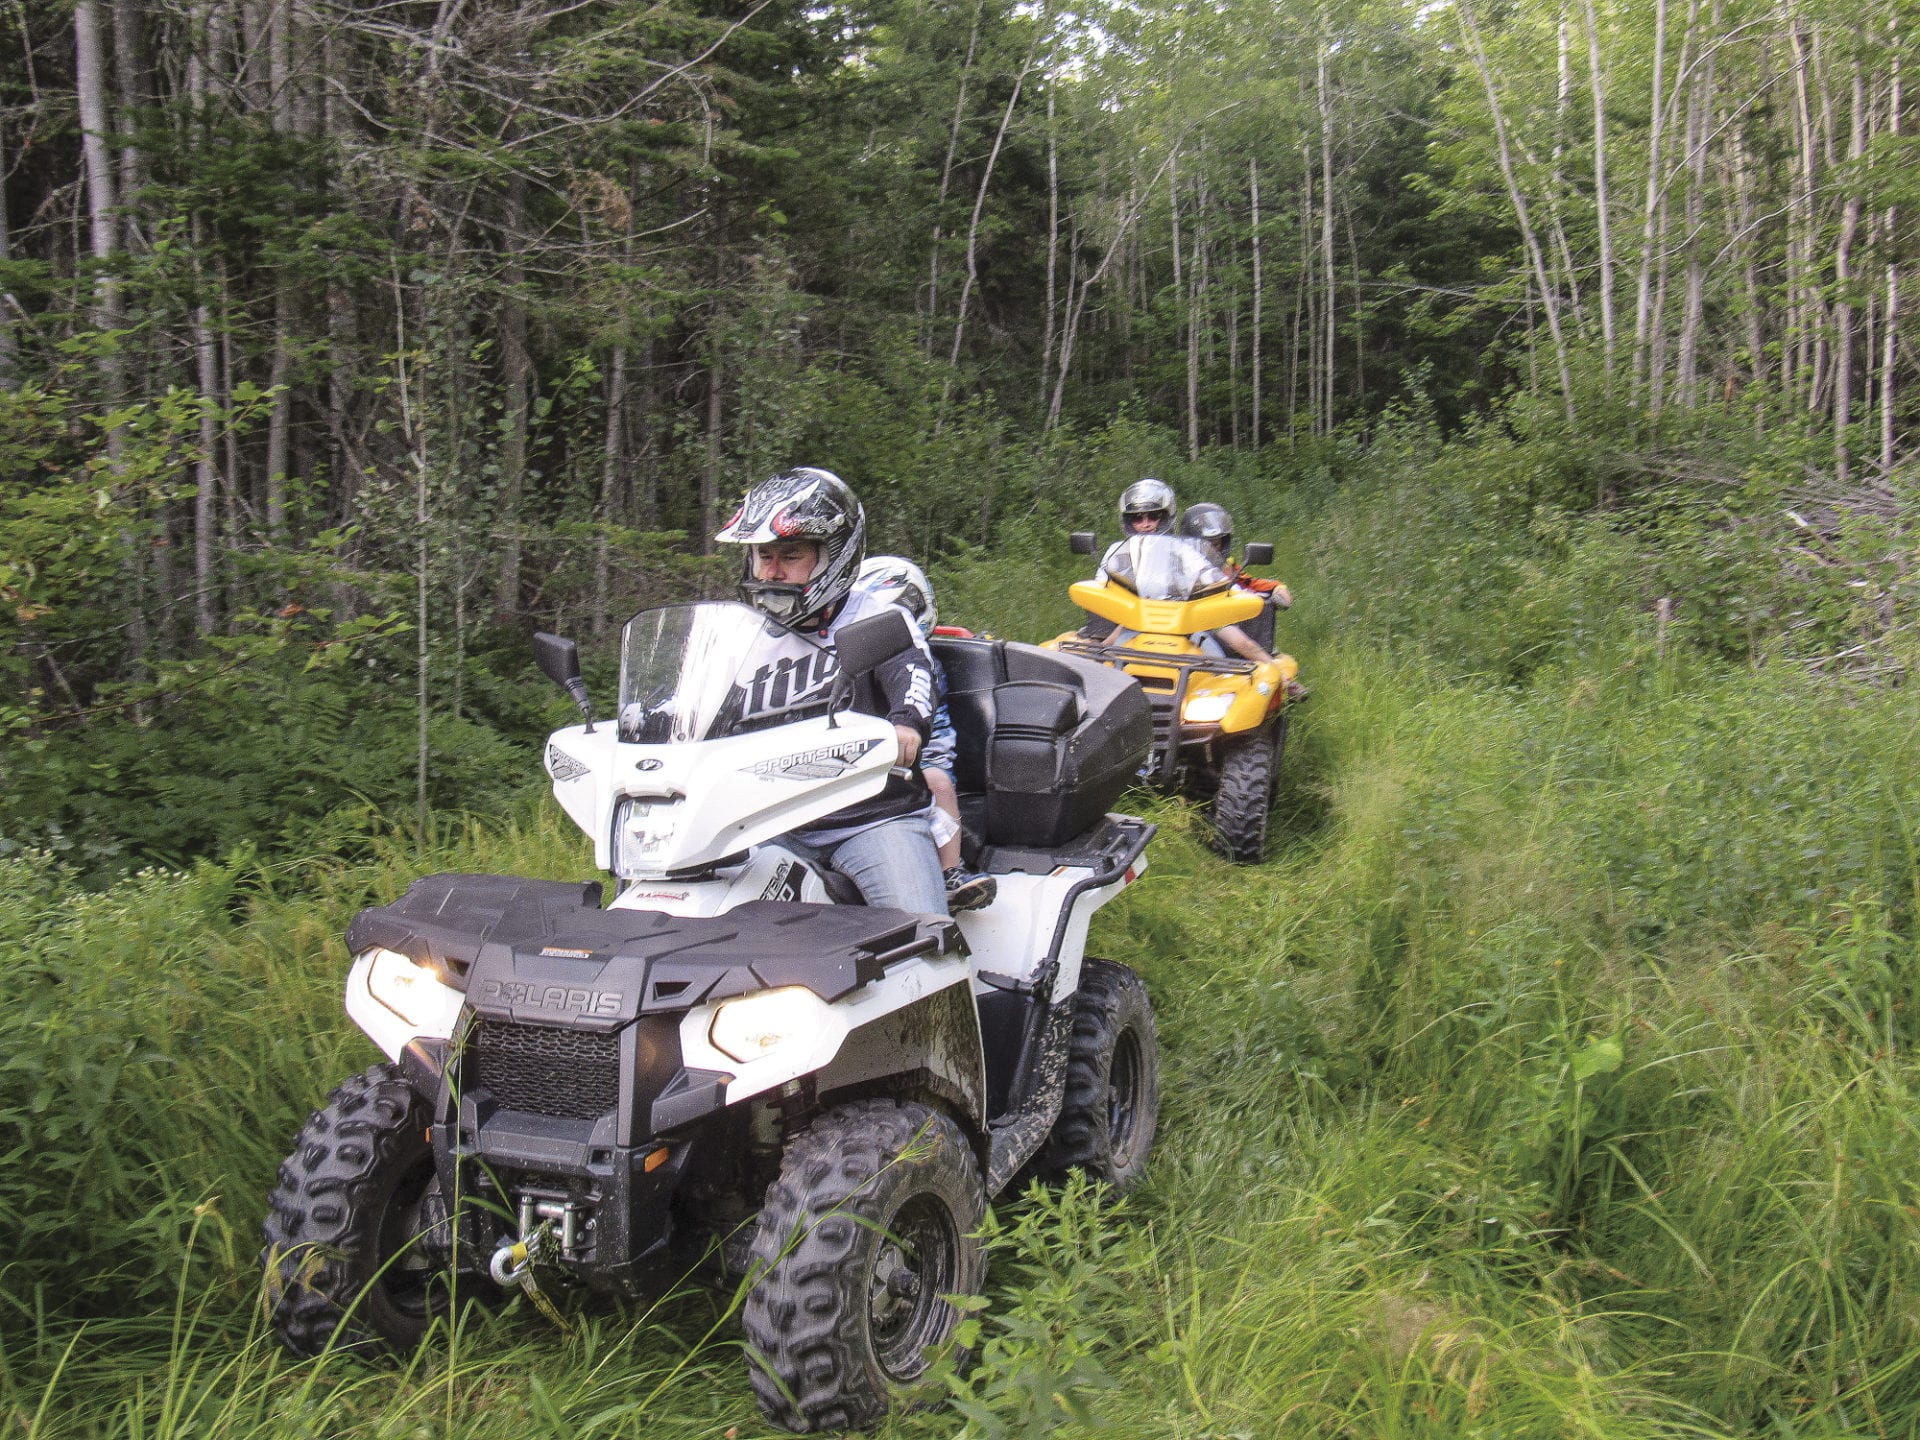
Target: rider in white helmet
(900, 582)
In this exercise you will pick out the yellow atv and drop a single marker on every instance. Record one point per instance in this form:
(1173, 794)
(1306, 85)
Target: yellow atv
(1219, 721)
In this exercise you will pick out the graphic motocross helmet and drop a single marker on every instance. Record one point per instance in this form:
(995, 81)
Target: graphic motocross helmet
(1147, 499)
(1212, 526)
(899, 581)
(800, 504)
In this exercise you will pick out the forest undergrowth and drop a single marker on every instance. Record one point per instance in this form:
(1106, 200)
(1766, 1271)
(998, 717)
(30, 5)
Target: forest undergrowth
(1554, 1077)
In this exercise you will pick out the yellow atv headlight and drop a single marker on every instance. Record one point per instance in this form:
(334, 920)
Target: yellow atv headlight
(1206, 709)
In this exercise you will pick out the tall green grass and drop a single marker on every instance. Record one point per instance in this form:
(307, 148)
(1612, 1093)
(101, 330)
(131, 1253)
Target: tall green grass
(1553, 1078)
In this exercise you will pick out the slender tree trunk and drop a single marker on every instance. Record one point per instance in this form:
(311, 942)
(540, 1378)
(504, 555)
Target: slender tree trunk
(206, 515)
(90, 81)
(642, 446)
(343, 458)
(238, 512)
(1643, 288)
(613, 467)
(1742, 228)
(1302, 301)
(9, 347)
(710, 473)
(1843, 277)
(1602, 208)
(1569, 272)
(90, 85)
(1331, 317)
(1699, 130)
(1802, 313)
(206, 498)
(1549, 302)
(1053, 244)
(280, 373)
(413, 431)
(946, 176)
(516, 374)
(128, 73)
(1891, 328)
(1253, 184)
(1233, 365)
(979, 210)
(1193, 339)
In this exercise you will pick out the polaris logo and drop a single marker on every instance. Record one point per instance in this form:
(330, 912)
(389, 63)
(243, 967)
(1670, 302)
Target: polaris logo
(825, 763)
(571, 998)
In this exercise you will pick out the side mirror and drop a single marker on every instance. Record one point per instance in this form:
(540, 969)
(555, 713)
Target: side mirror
(1081, 542)
(559, 660)
(1259, 552)
(868, 644)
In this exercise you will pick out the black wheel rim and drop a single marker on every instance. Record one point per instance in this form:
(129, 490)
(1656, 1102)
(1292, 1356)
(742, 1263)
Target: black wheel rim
(411, 1279)
(1126, 1081)
(915, 1263)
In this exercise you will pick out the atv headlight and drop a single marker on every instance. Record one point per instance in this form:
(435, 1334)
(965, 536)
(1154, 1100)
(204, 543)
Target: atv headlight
(412, 991)
(755, 1026)
(1206, 709)
(643, 830)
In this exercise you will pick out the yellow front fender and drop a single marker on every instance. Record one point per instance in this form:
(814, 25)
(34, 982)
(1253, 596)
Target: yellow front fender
(1164, 617)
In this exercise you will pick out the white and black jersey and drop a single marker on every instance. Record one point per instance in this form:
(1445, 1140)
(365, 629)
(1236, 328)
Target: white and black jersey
(796, 669)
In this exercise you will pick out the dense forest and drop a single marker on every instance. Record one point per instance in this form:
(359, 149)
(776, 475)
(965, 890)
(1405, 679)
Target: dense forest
(1554, 1078)
(343, 343)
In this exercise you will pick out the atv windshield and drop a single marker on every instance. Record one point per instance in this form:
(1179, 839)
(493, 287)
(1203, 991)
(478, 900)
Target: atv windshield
(1165, 567)
(699, 672)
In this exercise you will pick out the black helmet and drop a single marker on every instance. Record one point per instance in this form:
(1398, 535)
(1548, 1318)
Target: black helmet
(1146, 498)
(800, 504)
(1212, 526)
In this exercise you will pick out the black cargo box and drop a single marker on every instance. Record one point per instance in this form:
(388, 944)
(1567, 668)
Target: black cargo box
(1046, 742)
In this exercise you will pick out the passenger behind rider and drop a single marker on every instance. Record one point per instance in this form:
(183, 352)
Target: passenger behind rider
(899, 581)
(1212, 526)
(802, 535)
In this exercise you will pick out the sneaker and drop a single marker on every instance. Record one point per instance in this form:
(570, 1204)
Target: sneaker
(967, 891)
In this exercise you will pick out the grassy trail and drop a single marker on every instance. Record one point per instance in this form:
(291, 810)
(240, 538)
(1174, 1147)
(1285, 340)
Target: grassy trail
(1552, 1079)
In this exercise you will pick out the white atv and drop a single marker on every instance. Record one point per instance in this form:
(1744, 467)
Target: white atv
(734, 1051)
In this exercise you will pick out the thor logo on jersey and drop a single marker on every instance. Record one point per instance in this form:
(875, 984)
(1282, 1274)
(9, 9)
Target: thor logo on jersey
(790, 681)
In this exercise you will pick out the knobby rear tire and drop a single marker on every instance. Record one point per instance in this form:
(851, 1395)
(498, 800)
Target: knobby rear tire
(1112, 1104)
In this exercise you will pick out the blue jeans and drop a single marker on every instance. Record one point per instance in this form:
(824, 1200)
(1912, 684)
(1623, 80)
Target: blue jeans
(894, 863)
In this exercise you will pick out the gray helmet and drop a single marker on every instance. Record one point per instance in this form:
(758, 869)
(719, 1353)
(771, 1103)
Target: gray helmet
(899, 581)
(800, 504)
(1212, 526)
(1146, 498)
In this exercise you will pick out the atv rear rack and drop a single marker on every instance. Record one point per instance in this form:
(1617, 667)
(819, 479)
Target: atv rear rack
(1167, 703)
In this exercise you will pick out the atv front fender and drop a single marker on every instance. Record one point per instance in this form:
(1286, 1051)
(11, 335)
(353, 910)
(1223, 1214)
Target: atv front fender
(919, 1016)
